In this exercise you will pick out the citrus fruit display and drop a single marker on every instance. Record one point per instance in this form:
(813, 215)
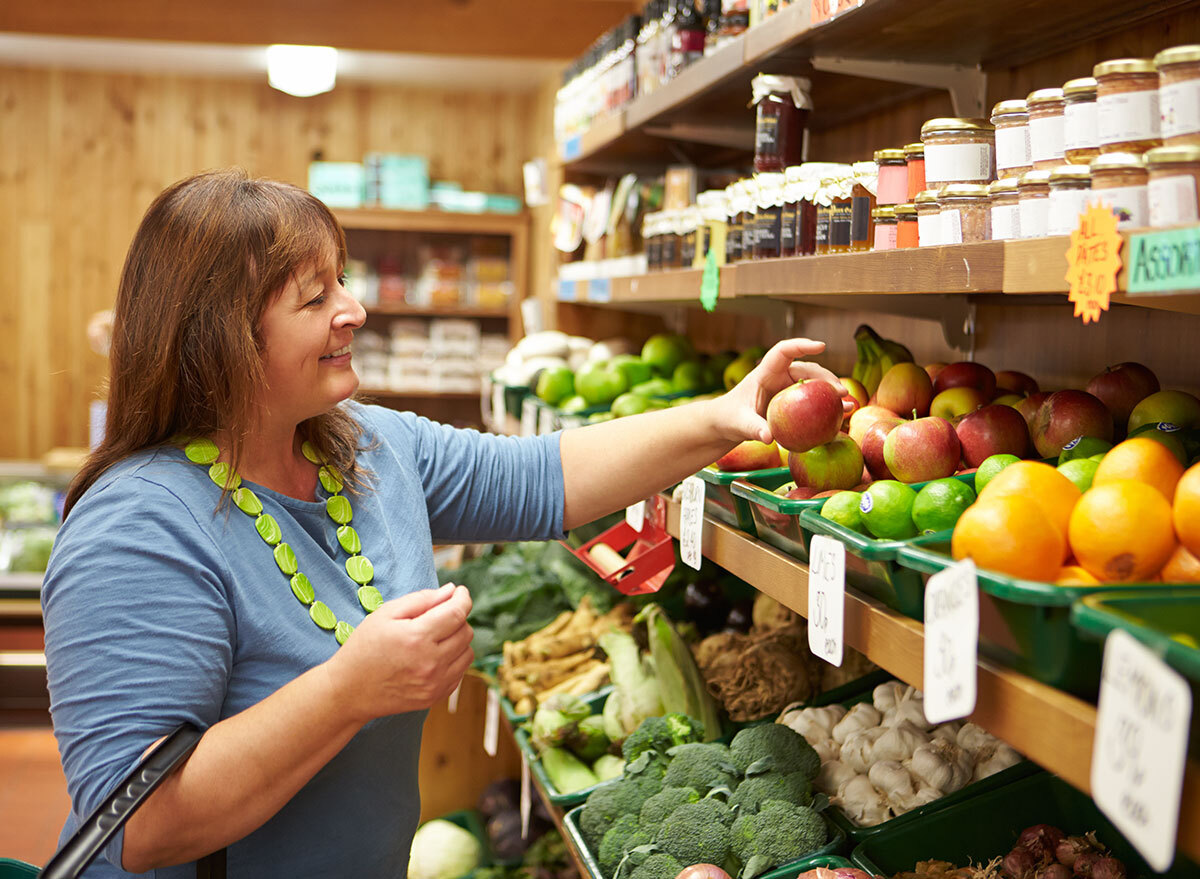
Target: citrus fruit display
(886, 508)
(843, 509)
(1143, 460)
(990, 467)
(1083, 447)
(1073, 575)
(939, 504)
(1044, 486)
(1010, 534)
(1187, 509)
(1181, 567)
(1080, 471)
(1121, 531)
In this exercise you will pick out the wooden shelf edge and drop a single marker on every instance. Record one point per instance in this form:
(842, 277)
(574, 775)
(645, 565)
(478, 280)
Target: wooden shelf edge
(386, 220)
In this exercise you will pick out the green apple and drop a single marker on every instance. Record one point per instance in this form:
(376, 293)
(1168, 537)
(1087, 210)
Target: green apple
(629, 403)
(635, 369)
(555, 385)
(656, 387)
(737, 370)
(690, 376)
(598, 383)
(665, 351)
(573, 404)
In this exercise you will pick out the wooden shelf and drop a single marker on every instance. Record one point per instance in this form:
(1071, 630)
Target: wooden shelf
(383, 220)
(435, 311)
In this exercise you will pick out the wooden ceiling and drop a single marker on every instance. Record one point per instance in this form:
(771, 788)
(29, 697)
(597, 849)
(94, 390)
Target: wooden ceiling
(490, 28)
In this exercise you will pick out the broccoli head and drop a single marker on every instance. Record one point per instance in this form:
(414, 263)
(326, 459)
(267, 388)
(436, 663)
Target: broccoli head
(787, 749)
(653, 734)
(696, 833)
(659, 865)
(702, 766)
(618, 840)
(791, 787)
(684, 729)
(609, 802)
(656, 809)
(776, 834)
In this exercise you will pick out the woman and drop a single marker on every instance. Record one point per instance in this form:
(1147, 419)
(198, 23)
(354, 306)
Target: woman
(198, 575)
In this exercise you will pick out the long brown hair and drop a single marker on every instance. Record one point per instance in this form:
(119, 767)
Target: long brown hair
(207, 259)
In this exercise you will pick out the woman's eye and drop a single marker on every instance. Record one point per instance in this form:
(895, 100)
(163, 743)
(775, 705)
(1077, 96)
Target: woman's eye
(316, 301)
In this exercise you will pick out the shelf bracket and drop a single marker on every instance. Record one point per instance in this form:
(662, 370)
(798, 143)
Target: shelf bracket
(967, 85)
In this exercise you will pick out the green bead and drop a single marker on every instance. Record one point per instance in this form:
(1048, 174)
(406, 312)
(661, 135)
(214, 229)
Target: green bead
(302, 588)
(339, 509)
(360, 569)
(343, 632)
(268, 529)
(370, 598)
(247, 501)
(223, 475)
(348, 538)
(309, 451)
(329, 479)
(286, 559)
(201, 451)
(322, 615)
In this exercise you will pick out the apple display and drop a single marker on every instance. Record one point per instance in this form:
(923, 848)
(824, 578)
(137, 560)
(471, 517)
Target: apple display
(966, 374)
(920, 450)
(862, 419)
(837, 464)
(872, 447)
(992, 430)
(1122, 387)
(804, 415)
(749, 455)
(1016, 383)
(906, 390)
(954, 402)
(1066, 415)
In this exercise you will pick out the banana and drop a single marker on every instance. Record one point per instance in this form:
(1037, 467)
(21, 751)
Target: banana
(899, 353)
(876, 355)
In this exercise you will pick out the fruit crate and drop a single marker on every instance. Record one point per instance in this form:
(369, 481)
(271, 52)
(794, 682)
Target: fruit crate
(986, 826)
(776, 519)
(721, 503)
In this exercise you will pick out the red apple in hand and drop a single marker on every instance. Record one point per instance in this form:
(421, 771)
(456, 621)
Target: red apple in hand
(872, 447)
(749, 455)
(1030, 405)
(807, 414)
(966, 374)
(992, 430)
(857, 396)
(1066, 415)
(1016, 382)
(905, 389)
(920, 450)
(953, 402)
(838, 464)
(1122, 387)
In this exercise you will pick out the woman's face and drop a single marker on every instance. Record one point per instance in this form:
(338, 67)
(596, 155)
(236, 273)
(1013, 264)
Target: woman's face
(306, 333)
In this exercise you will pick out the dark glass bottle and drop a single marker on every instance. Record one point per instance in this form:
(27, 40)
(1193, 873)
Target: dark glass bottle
(687, 38)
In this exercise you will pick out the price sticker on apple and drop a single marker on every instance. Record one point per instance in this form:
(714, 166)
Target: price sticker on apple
(491, 723)
(529, 416)
(826, 598)
(951, 642)
(635, 515)
(691, 522)
(1140, 747)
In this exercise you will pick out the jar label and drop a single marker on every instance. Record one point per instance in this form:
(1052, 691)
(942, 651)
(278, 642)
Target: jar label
(840, 222)
(1179, 109)
(1046, 138)
(688, 250)
(821, 234)
(749, 236)
(733, 243)
(768, 232)
(1173, 200)
(885, 236)
(1033, 217)
(1128, 117)
(787, 230)
(860, 219)
(1012, 147)
(766, 133)
(945, 163)
(1006, 222)
(1065, 207)
(1081, 130)
(929, 230)
(951, 227)
(1129, 204)
(670, 251)
(893, 184)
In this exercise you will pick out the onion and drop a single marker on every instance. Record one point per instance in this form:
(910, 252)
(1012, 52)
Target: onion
(1108, 868)
(702, 871)
(1053, 871)
(1019, 863)
(1071, 848)
(1041, 840)
(1086, 861)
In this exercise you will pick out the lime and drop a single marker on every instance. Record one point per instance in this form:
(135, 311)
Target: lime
(843, 509)
(629, 403)
(939, 504)
(990, 467)
(1098, 458)
(1080, 471)
(1167, 434)
(665, 351)
(886, 508)
(555, 385)
(1083, 447)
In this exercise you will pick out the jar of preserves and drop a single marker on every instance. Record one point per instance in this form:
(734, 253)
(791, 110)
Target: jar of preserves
(893, 177)
(807, 186)
(833, 182)
(688, 223)
(769, 220)
(672, 246)
(749, 216)
(1119, 182)
(1174, 181)
(1006, 214)
(1127, 105)
(791, 205)
(781, 116)
(884, 219)
(733, 222)
(713, 212)
(958, 150)
(1034, 202)
(862, 203)
(1070, 190)
(914, 158)
(929, 222)
(1179, 94)
(1046, 120)
(1081, 134)
(1011, 119)
(966, 213)
(907, 234)
(651, 242)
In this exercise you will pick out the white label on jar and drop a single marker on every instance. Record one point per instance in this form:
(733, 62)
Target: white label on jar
(951, 227)
(1179, 109)
(929, 230)
(946, 162)
(1006, 222)
(1080, 130)
(1012, 147)
(1129, 116)
(1129, 204)
(1033, 217)
(1173, 200)
(1065, 208)
(1046, 138)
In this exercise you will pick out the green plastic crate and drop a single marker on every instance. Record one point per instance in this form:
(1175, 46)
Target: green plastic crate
(986, 826)
(721, 503)
(13, 869)
(566, 801)
(775, 518)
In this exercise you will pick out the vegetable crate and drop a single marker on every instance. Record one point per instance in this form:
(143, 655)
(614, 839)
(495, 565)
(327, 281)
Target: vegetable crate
(556, 797)
(984, 827)
(721, 503)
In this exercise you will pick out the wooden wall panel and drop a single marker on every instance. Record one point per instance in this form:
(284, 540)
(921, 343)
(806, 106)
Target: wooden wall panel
(84, 153)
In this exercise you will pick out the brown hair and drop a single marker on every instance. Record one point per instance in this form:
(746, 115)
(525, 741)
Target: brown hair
(209, 256)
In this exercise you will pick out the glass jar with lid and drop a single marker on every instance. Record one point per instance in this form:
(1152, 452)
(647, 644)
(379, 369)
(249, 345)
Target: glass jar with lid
(1070, 189)
(1119, 182)
(1011, 119)
(749, 216)
(807, 185)
(1046, 119)
(929, 222)
(1006, 213)
(914, 158)
(1179, 94)
(907, 234)
(893, 177)
(833, 186)
(1127, 105)
(672, 246)
(966, 213)
(791, 205)
(862, 202)
(1034, 202)
(769, 220)
(733, 222)
(884, 219)
(782, 105)
(1081, 135)
(713, 212)
(651, 241)
(958, 150)
(688, 223)
(1174, 181)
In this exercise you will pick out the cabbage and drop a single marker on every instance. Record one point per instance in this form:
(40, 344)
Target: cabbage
(443, 850)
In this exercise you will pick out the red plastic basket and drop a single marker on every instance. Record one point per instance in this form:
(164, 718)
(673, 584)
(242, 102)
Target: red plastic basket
(649, 562)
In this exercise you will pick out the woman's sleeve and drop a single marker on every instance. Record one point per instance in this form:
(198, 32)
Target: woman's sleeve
(139, 634)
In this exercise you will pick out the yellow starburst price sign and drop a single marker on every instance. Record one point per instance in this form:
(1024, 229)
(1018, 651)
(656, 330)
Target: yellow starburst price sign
(1093, 262)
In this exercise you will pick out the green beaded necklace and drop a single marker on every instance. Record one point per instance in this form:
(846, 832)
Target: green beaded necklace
(205, 452)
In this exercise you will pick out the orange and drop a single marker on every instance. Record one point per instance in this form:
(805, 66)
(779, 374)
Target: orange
(1122, 531)
(1044, 485)
(1009, 534)
(1187, 509)
(1073, 575)
(1144, 460)
(1181, 567)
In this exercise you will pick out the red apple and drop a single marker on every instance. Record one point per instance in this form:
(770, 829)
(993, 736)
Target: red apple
(932, 369)
(1066, 415)
(920, 450)
(858, 395)
(865, 417)
(953, 402)
(805, 415)
(838, 464)
(1122, 387)
(966, 374)
(905, 389)
(749, 455)
(1016, 382)
(872, 447)
(992, 430)
(1030, 405)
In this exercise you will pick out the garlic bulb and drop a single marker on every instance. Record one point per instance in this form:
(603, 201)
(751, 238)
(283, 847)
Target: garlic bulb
(814, 724)
(993, 759)
(973, 739)
(857, 750)
(862, 802)
(893, 781)
(898, 742)
(827, 749)
(922, 797)
(941, 764)
(861, 716)
(832, 776)
(946, 732)
(885, 696)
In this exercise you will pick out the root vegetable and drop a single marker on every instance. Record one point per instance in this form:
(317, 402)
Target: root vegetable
(1041, 840)
(1086, 862)
(1108, 868)
(1020, 863)
(1071, 848)
(1053, 871)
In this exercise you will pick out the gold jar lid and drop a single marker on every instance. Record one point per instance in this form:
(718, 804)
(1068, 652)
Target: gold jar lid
(1177, 55)
(1070, 174)
(884, 213)
(889, 157)
(948, 124)
(963, 190)
(1036, 177)
(914, 150)
(1044, 96)
(1183, 154)
(1124, 65)
(926, 196)
(1083, 87)
(905, 211)
(1117, 162)
(1004, 186)
(1015, 107)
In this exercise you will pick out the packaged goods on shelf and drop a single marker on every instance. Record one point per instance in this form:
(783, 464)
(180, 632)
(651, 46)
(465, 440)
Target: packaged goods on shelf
(1046, 109)
(1081, 127)
(1011, 119)
(959, 150)
(1006, 211)
(1034, 203)
(409, 374)
(1179, 94)
(782, 107)
(1127, 105)
(1070, 194)
(1174, 180)
(455, 375)
(1119, 181)
(446, 334)
(396, 181)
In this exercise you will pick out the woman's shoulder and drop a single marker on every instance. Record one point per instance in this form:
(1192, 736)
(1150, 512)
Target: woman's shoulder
(151, 478)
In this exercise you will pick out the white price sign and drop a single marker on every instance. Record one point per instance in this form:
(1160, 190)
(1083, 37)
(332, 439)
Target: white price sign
(691, 521)
(499, 417)
(951, 642)
(635, 515)
(1140, 746)
(826, 598)
(526, 797)
(452, 705)
(491, 723)
(529, 416)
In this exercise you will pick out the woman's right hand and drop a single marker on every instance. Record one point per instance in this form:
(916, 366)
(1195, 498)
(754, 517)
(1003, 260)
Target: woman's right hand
(407, 655)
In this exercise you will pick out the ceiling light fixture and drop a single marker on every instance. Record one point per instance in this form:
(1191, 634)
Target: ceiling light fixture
(302, 71)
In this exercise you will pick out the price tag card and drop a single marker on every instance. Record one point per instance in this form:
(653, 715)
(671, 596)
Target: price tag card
(1093, 262)
(566, 291)
(499, 416)
(526, 797)
(545, 420)
(951, 642)
(491, 723)
(452, 705)
(826, 598)
(691, 521)
(635, 515)
(529, 416)
(599, 290)
(1140, 746)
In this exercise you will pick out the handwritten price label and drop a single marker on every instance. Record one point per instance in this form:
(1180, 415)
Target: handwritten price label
(691, 521)
(635, 515)
(1093, 262)
(951, 642)
(491, 723)
(826, 598)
